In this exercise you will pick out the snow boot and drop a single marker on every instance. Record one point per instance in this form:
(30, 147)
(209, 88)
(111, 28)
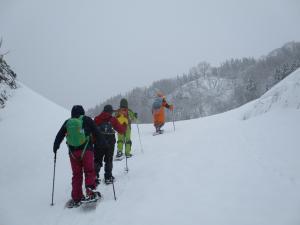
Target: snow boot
(92, 196)
(119, 156)
(97, 181)
(109, 180)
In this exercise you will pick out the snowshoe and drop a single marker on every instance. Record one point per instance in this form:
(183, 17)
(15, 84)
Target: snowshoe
(158, 132)
(91, 201)
(119, 156)
(72, 204)
(129, 155)
(93, 197)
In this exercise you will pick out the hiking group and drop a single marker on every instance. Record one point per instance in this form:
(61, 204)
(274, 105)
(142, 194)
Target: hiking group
(91, 144)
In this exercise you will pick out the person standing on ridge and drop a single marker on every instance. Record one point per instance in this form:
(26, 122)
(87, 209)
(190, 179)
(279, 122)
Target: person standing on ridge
(78, 130)
(125, 116)
(158, 111)
(107, 125)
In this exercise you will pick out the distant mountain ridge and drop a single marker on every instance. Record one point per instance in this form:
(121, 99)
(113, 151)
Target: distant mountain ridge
(207, 90)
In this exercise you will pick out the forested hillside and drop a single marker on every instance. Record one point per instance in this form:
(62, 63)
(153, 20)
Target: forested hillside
(206, 90)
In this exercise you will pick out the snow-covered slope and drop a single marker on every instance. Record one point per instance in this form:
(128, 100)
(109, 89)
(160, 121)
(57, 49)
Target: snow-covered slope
(284, 95)
(215, 170)
(28, 124)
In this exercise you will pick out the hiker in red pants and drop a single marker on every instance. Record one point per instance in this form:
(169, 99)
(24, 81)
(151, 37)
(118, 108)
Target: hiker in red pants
(78, 130)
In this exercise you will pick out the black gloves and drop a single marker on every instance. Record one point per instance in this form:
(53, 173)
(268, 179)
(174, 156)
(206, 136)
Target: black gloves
(136, 115)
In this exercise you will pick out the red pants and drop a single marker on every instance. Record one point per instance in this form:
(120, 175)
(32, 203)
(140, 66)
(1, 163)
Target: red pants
(85, 165)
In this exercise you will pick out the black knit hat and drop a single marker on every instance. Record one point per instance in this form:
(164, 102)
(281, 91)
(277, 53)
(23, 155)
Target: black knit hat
(108, 108)
(77, 110)
(123, 103)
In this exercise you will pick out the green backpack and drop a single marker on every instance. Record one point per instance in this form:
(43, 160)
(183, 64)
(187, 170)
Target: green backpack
(75, 132)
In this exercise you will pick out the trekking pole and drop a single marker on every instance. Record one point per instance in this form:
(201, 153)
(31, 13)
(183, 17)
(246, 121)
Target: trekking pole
(126, 168)
(114, 190)
(53, 179)
(173, 120)
(142, 150)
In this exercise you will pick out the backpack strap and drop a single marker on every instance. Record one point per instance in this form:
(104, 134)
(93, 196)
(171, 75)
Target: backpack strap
(83, 151)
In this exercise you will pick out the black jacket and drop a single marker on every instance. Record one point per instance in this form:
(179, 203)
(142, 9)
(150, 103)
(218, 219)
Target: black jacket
(89, 127)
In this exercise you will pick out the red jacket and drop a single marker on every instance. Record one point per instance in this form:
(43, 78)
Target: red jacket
(107, 117)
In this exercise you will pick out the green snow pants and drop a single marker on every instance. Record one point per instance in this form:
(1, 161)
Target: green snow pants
(125, 139)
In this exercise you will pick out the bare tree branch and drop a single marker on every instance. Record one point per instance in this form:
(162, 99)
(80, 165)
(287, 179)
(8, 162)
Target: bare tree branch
(2, 55)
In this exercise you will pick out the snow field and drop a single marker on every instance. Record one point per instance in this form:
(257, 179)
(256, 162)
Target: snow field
(221, 169)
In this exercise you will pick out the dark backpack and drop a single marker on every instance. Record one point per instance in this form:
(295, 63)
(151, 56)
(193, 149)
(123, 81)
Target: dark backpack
(106, 128)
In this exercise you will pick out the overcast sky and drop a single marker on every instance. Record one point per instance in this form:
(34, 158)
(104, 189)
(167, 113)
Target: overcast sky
(82, 52)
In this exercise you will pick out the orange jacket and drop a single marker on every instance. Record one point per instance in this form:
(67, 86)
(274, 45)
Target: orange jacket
(159, 114)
